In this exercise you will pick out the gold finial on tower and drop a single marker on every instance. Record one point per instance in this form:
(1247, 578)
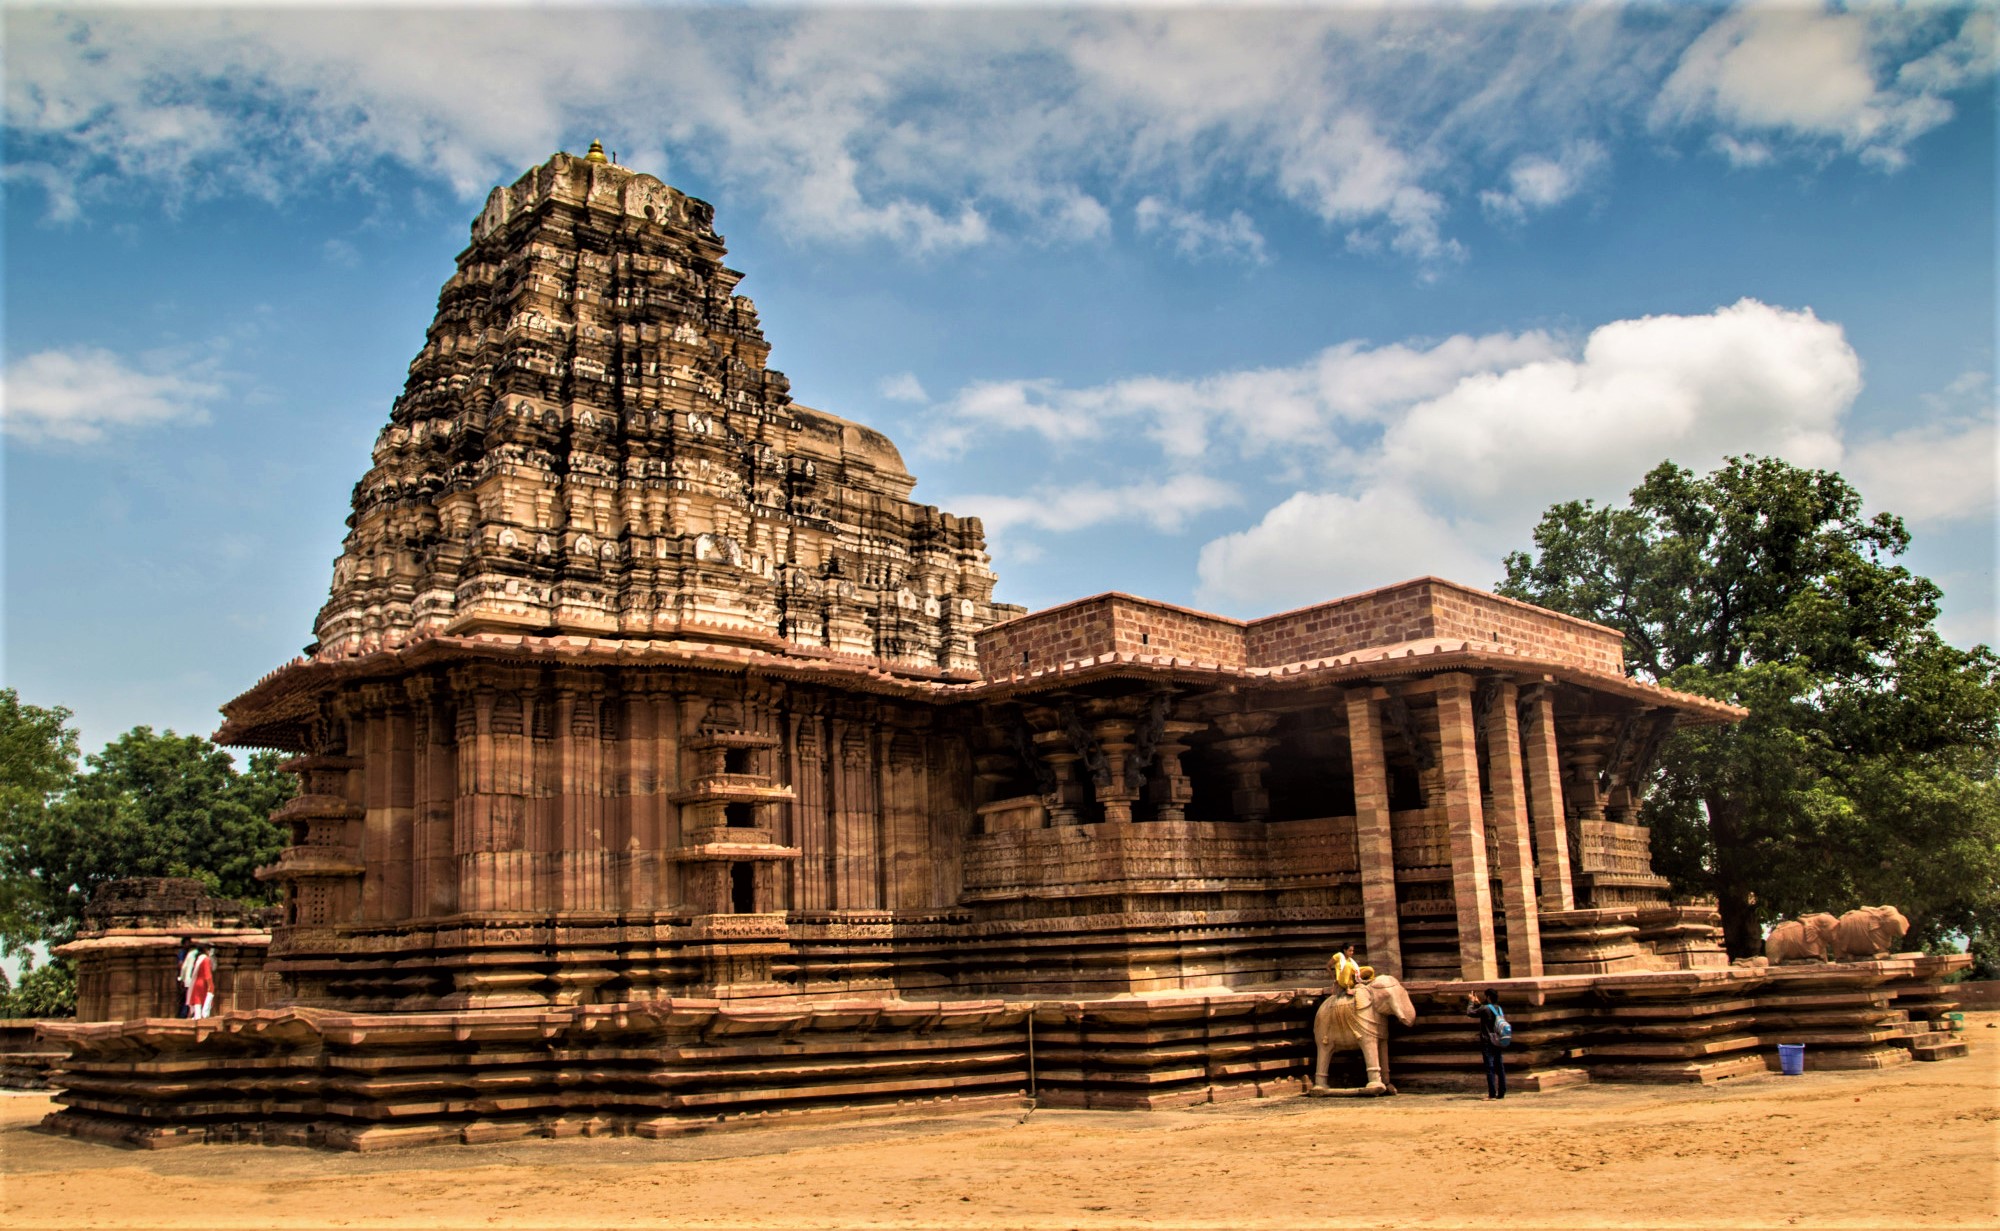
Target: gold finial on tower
(596, 153)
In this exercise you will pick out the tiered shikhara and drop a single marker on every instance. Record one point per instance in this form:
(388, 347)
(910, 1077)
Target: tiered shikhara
(664, 765)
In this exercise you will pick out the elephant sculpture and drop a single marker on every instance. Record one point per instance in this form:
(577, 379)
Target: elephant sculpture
(1809, 939)
(1871, 931)
(1360, 1021)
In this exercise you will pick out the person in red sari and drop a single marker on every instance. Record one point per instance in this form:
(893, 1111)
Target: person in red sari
(201, 989)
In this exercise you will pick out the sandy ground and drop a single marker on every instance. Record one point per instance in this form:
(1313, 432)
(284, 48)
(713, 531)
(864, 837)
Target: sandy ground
(1915, 1146)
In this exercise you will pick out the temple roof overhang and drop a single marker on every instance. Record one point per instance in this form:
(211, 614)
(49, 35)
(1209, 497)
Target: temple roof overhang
(277, 712)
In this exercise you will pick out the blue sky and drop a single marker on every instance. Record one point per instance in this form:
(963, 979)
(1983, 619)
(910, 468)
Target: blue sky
(1240, 310)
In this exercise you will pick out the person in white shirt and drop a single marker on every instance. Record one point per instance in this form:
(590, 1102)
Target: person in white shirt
(189, 957)
(1343, 971)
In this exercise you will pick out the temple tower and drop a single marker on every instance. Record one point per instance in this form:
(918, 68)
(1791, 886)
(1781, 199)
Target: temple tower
(591, 442)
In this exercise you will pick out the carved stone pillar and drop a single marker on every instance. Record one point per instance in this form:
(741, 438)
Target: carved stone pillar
(1169, 787)
(1510, 820)
(436, 891)
(858, 884)
(1246, 746)
(1054, 749)
(385, 827)
(1114, 737)
(580, 856)
(1375, 854)
(1459, 765)
(813, 872)
(1545, 798)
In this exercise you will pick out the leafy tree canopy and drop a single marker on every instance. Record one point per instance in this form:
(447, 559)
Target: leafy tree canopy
(148, 805)
(1866, 770)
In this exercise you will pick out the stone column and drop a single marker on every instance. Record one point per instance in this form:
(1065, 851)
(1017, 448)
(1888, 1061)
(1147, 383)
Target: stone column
(906, 852)
(437, 871)
(1545, 799)
(1114, 737)
(1510, 820)
(1246, 748)
(1375, 853)
(1458, 761)
(580, 854)
(812, 871)
(857, 880)
(368, 721)
(1169, 787)
(1053, 747)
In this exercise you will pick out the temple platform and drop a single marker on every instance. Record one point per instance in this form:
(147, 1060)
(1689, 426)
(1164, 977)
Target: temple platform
(378, 1081)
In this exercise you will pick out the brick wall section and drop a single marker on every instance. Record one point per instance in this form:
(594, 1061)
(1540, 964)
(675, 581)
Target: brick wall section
(1105, 624)
(1425, 608)
(1411, 611)
(1069, 633)
(1478, 616)
(1142, 627)
(1379, 617)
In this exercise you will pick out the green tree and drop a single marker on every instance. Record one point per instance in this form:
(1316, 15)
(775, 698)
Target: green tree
(37, 763)
(1866, 769)
(149, 805)
(48, 990)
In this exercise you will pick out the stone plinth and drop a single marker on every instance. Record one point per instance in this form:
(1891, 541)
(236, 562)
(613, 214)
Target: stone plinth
(674, 1066)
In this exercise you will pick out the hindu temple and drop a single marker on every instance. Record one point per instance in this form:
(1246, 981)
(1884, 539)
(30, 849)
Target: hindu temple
(664, 764)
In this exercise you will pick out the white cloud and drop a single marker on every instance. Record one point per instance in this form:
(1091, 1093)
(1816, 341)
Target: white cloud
(1260, 409)
(1317, 545)
(1195, 234)
(1458, 475)
(80, 395)
(1819, 76)
(904, 387)
(1932, 474)
(1746, 378)
(1937, 473)
(1165, 506)
(934, 130)
(1537, 182)
(1741, 153)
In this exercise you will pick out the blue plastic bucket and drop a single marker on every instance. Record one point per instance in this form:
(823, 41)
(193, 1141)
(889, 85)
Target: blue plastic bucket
(1791, 1059)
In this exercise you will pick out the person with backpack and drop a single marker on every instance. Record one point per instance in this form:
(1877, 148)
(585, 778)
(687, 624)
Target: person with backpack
(1495, 1033)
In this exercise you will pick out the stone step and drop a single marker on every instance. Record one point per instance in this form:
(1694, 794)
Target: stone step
(1950, 1050)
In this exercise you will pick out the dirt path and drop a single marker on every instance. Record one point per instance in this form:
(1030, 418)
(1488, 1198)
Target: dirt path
(1915, 1146)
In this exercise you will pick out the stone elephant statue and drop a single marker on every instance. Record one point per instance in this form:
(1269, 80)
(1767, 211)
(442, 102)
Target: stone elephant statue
(1359, 1020)
(1870, 931)
(1802, 940)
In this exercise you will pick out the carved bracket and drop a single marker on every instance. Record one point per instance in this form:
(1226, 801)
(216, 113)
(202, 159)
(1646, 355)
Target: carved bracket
(1024, 747)
(1614, 765)
(1151, 732)
(1397, 710)
(1085, 746)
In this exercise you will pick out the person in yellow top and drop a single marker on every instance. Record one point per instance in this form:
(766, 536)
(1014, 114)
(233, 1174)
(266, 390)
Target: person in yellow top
(1343, 970)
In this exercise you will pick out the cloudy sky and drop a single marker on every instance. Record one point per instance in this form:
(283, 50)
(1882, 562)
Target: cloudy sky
(1238, 309)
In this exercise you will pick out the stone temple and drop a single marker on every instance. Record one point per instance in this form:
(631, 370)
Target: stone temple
(663, 763)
